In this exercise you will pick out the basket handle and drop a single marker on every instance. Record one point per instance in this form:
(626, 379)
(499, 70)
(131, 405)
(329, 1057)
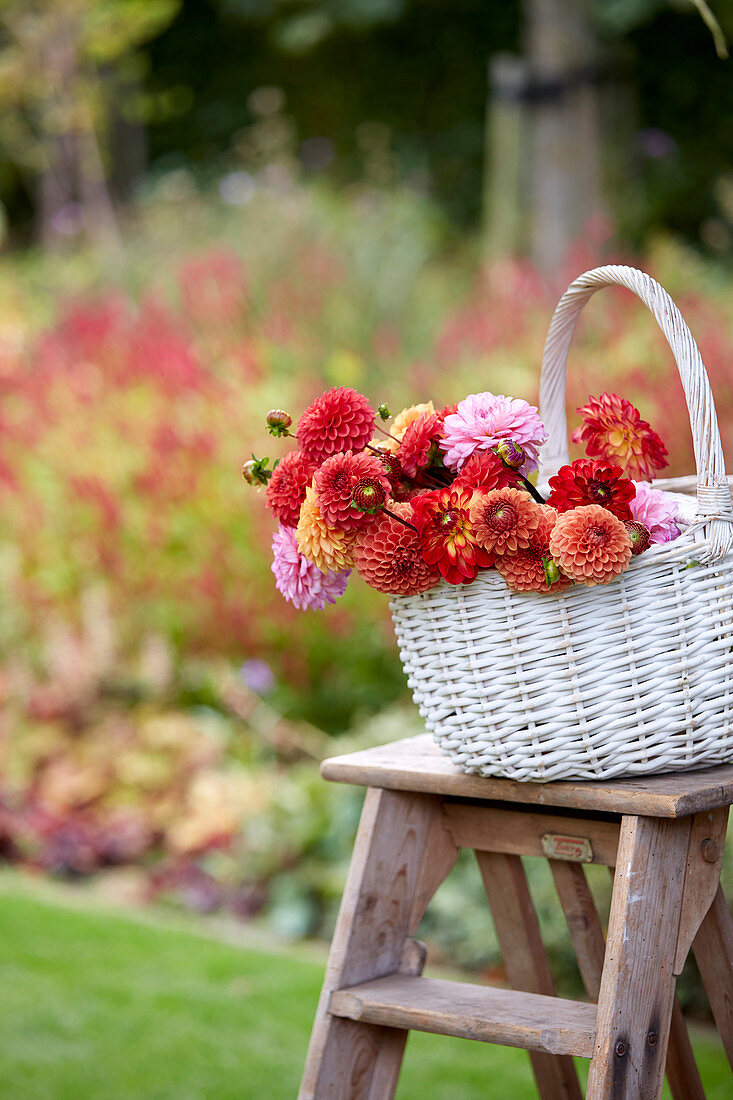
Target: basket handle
(714, 507)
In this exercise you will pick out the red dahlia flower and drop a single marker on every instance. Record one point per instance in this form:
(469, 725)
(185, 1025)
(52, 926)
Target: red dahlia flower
(286, 489)
(339, 420)
(415, 449)
(335, 483)
(613, 429)
(486, 470)
(389, 558)
(529, 569)
(589, 481)
(443, 521)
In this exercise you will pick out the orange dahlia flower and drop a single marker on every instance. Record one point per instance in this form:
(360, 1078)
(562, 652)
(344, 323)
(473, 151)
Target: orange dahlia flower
(504, 520)
(590, 544)
(613, 429)
(330, 549)
(443, 521)
(531, 568)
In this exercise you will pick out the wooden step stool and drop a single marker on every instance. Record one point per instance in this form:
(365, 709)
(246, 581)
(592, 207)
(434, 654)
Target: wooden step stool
(664, 836)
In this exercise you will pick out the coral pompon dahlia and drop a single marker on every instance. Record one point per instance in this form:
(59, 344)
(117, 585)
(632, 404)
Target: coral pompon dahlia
(443, 521)
(483, 419)
(331, 549)
(389, 558)
(504, 520)
(339, 420)
(286, 488)
(335, 483)
(299, 580)
(613, 429)
(532, 568)
(590, 481)
(590, 544)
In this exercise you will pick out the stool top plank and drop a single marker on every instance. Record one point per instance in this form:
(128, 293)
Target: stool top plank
(417, 764)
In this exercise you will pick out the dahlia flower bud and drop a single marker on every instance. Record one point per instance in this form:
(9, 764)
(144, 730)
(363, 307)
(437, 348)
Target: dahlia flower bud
(511, 454)
(641, 538)
(552, 573)
(255, 471)
(278, 422)
(392, 465)
(384, 412)
(368, 496)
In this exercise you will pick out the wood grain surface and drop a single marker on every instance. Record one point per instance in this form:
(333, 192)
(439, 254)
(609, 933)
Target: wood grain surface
(417, 764)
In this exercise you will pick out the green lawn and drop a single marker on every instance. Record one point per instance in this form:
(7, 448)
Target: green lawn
(100, 1004)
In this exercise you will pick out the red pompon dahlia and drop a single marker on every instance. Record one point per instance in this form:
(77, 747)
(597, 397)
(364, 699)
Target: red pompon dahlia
(590, 544)
(504, 520)
(590, 481)
(443, 521)
(613, 429)
(419, 440)
(339, 420)
(485, 470)
(286, 488)
(530, 569)
(389, 558)
(335, 483)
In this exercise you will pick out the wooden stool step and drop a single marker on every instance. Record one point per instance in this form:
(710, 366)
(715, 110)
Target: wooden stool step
(491, 1015)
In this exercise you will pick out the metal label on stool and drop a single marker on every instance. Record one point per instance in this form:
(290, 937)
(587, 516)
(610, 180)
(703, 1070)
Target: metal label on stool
(576, 849)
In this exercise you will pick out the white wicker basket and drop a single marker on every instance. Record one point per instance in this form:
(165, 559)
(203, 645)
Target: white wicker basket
(632, 677)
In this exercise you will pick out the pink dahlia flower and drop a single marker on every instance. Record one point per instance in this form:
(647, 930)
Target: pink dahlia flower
(299, 580)
(659, 514)
(481, 420)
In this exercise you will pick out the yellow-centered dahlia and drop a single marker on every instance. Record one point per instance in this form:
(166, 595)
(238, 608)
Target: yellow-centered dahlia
(330, 549)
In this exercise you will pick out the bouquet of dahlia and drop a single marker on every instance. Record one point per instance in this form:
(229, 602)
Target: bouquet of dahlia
(438, 495)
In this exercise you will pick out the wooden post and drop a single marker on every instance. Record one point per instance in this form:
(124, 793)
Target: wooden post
(638, 983)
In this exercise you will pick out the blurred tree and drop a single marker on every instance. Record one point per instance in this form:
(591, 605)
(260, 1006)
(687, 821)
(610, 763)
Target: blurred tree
(62, 64)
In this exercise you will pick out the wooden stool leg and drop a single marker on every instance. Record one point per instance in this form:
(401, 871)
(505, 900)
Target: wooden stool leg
(637, 985)
(401, 855)
(713, 948)
(590, 948)
(526, 963)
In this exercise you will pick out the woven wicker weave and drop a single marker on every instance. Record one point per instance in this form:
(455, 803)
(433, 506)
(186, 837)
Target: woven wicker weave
(631, 677)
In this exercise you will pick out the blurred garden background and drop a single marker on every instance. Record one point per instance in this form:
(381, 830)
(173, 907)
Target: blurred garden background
(209, 208)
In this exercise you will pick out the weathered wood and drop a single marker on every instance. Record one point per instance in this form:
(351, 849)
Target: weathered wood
(637, 986)
(549, 1024)
(583, 922)
(520, 832)
(417, 764)
(590, 948)
(525, 960)
(713, 949)
(704, 860)
(381, 906)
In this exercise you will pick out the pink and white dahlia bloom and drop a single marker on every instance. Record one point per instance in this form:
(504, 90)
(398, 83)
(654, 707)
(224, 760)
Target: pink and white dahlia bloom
(482, 420)
(300, 581)
(658, 512)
